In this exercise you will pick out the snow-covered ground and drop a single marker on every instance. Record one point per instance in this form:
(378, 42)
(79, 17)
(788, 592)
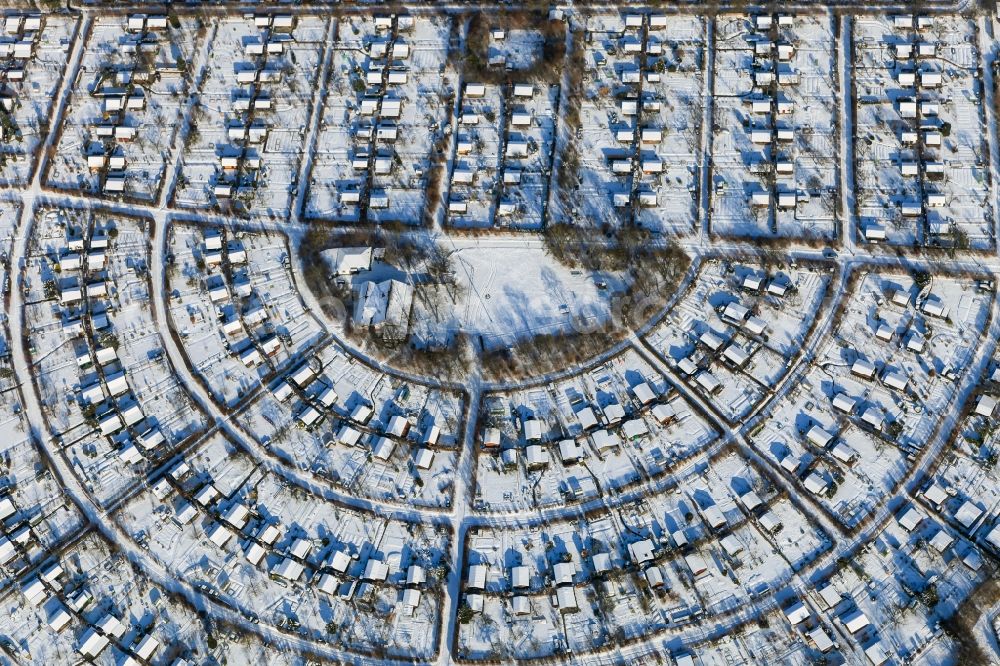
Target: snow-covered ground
(794, 463)
(502, 305)
(112, 69)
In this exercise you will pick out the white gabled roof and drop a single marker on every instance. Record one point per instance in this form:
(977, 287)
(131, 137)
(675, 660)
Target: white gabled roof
(338, 560)
(92, 643)
(911, 518)
(375, 570)
(604, 440)
(644, 393)
(570, 450)
(750, 500)
(300, 548)
(423, 458)
(236, 515)
(819, 436)
(145, 648)
(663, 412)
(476, 580)
(993, 538)
(411, 598)
(641, 551)
(254, 553)
(863, 367)
(941, 541)
(521, 606)
(797, 613)
(986, 405)
(288, 569)
(566, 596)
(876, 654)
(602, 561)
(830, 596)
(532, 430)
(416, 575)
(33, 591)
(110, 624)
(968, 514)
(714, 517)
(844, 403)
(731, 545)
(935, 494)
(185, 512)
(586, 418)
(219, 534)
(58, 617)
(383, 448)
(520, 577)
(398, 425)
(563, 572)
(855, 621)
(815, 483)
(328, 583)
(634, 428)
(536, 455)
(821, 639)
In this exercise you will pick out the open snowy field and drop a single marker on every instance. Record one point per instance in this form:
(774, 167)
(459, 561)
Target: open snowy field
(502, 305)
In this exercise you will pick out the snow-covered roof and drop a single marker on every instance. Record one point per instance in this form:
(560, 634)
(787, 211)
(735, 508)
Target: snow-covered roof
(375, 570)
(750, 500)
(935, 494)
(604, 440)
(844, 403)
(634, 428)
(855, 621)
(566, 596)
(520, 577)
(941, 541)
(641, 551)
(570, 450)
(288, 569)
(476, 579)
(968, 513)
(986, 405)
(815, 483)
(797, 613)
(423, 458)
(347, 260)
(384, 303)
(911, 518)
(644, 393)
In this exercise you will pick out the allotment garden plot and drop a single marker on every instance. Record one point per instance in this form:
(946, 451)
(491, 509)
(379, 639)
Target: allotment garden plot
(32, 67)
(669, 124)
(252, 113)
(235, 307)
(724, 536)
(125, 109)
(774, 150)
(371, 433)
(290, 558)
(592, 435)
(737, 330)
(922, 173)
(111, 396)
(880, 386)
(88, 599)
(389, 97)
